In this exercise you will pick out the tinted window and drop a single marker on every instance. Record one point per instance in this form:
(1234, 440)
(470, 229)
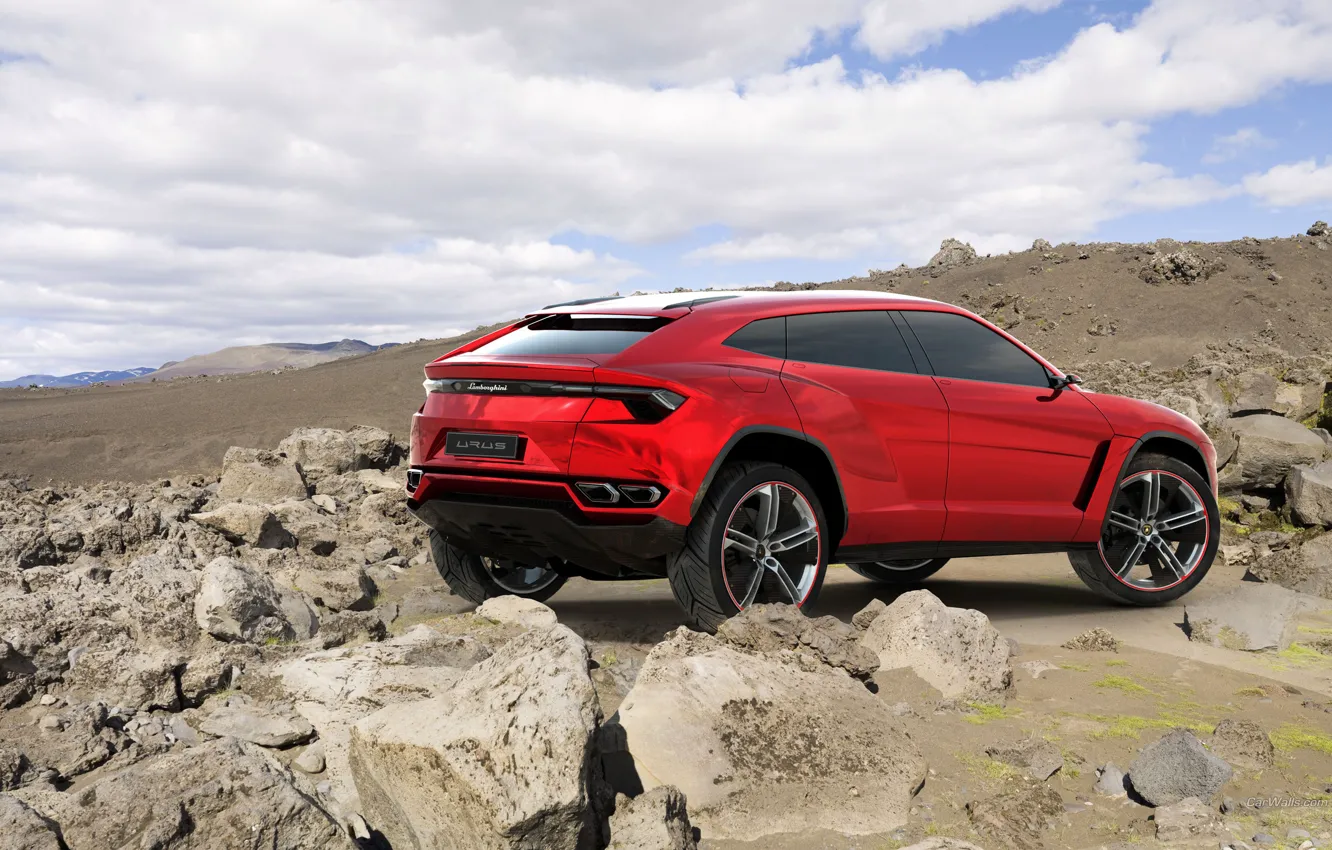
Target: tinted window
(572, 334)
(862, 340)
(766, 336)
(959, 347)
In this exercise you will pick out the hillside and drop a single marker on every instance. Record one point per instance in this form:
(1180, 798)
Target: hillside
(1160, 303)
(257, 358)
(78, 379)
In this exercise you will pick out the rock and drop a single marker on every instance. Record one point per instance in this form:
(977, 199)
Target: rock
(862, 618)
(766, 733)
(21, 828)
(1041, 245)
(1189, 818)
(1305, 567)
(375, 447)
(957, 650)
(338, 588)
(80, 740)
(380, 482)
(1175, 767)
(1037, 757)
(1181, 266)
(503, 759)
(1243, 743)
(943, 844)
(1268, 446)
(312, 531)
(1309, 493)
(952, 254)
(13, 767)
(1037, 667)
(1324, 435)
(126, 676)
(265, 727)
(320, 452)
(325, 503)
(1017, 818)
(1094, 640)
(222, 794)
(769, 629)
(241, 523)
(1111, 781)
(1318, 228)
(380, 549)
(236, 603)
(518, 611)
(260, 477)
(311, 760)
(1250, 617)
(655, 820)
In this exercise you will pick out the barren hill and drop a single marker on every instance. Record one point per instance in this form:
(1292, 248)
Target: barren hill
(1161, 302)
(255, 358)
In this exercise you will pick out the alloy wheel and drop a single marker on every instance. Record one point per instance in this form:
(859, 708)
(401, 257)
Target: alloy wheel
(1157, 531)
(772, 547)
(519, 579)
(903, 566)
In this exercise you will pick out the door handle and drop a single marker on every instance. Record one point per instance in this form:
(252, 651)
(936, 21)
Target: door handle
(945, 382)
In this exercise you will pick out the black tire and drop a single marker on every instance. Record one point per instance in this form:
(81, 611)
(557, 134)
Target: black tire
(881, 572)
(696, 571)
(1094, 569)
(467, 576)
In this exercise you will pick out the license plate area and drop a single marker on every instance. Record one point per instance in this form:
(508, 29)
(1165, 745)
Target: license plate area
(491, 446)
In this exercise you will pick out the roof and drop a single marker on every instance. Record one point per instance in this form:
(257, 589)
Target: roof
(673, 302)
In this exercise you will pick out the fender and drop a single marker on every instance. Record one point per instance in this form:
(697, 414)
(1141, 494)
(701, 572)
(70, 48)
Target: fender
(779, 431)
(1099, 504)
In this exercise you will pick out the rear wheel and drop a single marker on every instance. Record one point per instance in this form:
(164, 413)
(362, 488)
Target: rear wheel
(477, 578)
(899, 572)
(759, 536)
(1160, 535)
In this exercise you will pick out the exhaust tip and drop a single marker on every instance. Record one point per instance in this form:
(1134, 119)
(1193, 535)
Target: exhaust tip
(413, 480)
(640, 494)
(598, 492)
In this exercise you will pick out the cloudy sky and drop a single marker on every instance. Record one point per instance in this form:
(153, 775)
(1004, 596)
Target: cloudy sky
(177, 177)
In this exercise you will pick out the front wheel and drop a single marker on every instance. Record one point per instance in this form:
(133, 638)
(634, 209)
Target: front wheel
(1160, 534)
(899, 572)
(759, 536)
(477, 579)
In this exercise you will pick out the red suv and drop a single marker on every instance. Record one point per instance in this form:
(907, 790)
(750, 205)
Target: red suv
(738, 443)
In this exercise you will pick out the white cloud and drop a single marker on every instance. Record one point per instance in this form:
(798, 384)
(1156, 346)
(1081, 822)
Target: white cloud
(193, 174)
(1226, 148)
(1292, 184)
(895, 27)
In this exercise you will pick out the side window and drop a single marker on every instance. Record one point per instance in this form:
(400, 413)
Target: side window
(866, 339)
(959, 347)
(765, 336)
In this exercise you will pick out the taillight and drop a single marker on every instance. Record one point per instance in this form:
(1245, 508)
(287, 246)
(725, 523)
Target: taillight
(647, 404)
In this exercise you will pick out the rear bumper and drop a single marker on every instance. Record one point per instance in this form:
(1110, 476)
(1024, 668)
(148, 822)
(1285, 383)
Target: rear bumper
(533, 520)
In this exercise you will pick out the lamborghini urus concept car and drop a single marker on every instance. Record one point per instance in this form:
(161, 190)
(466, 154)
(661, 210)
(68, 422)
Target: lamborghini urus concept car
(739, 443)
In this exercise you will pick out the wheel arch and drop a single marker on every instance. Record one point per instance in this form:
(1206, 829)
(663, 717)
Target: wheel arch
(791, 448)
(1174, 445)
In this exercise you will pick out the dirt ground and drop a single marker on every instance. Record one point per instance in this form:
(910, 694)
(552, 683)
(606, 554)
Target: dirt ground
(1069, 309)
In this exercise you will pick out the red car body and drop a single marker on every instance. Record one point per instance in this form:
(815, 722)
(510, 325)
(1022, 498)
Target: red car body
(906, 464)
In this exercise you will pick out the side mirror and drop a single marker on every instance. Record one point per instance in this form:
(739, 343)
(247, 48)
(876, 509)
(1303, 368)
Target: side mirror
(1058, 383)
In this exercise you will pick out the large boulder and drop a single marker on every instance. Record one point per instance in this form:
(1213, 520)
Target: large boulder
(812, 642)
(1017, 817)
(1175, 767)
(517, 611)
(502, 760)
(767, 732)
(957, 650)
(1256, 391)
(1243, 743)
(655, 820)
(321, 452)
(242, 523)
(265, 726)
(952, 254)
(238, 603)
(313, 530)
(338, 587)
(1304, 566)
(1267, 447)
(1250, 617)
(375, 447)
(138, 678)
(1309, 493)
(21, 828)
(223, 794)
(260, 477)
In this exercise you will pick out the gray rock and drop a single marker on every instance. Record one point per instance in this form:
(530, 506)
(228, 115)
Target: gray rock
(1111, 781)
(1251, 617)
(1309, 493)
(265, 727)
(313, 531)
(862, 618)
(1324, 435)
(952, 254)
(1175, 767)
(1243, 743)
(311, 760)
(957, 650)
(1305, 567)
(241, 523)
(655, 820)
(503, 760)
(1037, 757)
(260, 477)
(237, 603)
(771, 629)
(325, 503)
(375, 447)
(1182, 266)
(1037, 667)
(13, 767)
(1268, 446)
(1318, 228)
(338, 587)
(1017, 818)
(223, 794)
(1187, 819)
(1263, 839)
(517, 611)
(21, 828)
(321, 452)
(1094, 640)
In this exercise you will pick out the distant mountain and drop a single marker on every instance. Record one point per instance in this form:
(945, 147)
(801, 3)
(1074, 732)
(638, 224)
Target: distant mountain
(78, 379)
(262, 358)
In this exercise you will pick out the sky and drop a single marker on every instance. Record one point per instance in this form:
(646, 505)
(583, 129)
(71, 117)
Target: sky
(180, 177)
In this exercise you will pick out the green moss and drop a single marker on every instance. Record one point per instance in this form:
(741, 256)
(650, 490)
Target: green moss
(1116, 662)
(609, 658)
(1132, 725)
(986, 712)
(1291, 737)
(1121, 683)
(1081, 668)
(1229, 505)
(1251, 692)
(1226, 392)
(989, 768)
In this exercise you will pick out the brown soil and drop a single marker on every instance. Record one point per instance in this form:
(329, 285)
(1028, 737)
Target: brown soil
(1068, 308)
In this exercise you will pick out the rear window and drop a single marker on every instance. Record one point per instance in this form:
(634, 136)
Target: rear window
(566, 333)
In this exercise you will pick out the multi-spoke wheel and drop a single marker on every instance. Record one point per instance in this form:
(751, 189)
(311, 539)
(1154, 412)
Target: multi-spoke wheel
(1159, 537)
(478, 579)
(899, 572)
(760, 536)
